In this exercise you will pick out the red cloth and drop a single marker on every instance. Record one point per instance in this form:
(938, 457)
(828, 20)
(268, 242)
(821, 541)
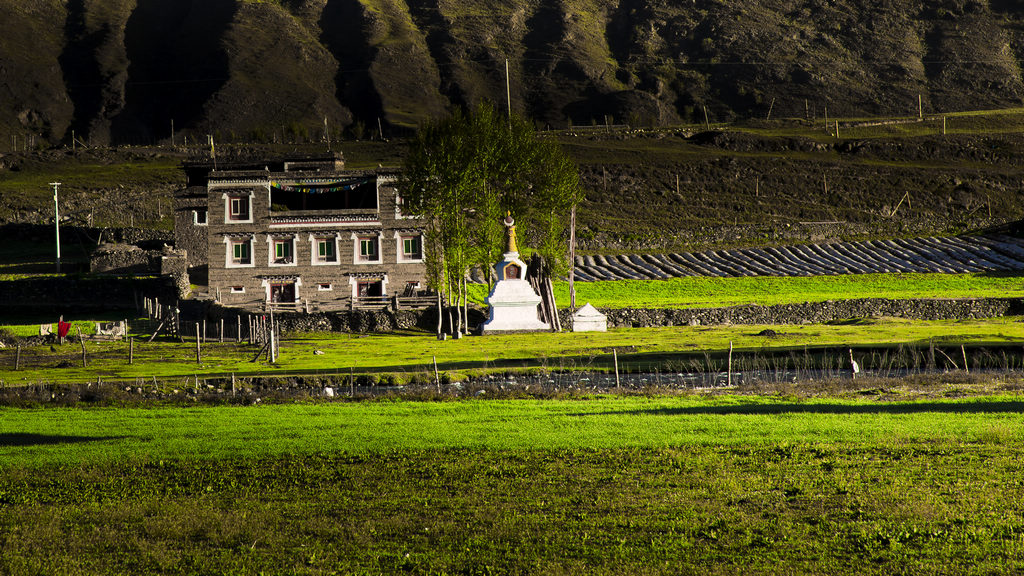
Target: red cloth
(63, 328)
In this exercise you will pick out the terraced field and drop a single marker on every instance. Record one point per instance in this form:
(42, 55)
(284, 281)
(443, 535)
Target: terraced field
(951, 255)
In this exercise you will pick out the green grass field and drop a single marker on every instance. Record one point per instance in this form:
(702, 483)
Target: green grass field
(607, 485)
(697, 292)
(406, 354)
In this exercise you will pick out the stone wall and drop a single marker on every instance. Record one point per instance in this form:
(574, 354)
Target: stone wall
(370, 321)
(813, 312)
(124, 259)
(355, 321)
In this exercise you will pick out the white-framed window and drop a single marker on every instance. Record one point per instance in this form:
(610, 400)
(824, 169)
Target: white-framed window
(238, 209)
(367, 249)
(238, 289)
(199, 217)
(324, 250)
(324, 287)
(410, 247)
(238, 252)
(281, 250)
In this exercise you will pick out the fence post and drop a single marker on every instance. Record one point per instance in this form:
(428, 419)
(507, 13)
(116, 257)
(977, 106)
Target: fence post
(131, 350)
(615, 359)
(437, 378)
(199, 358)
(82, 342)
(729, 377)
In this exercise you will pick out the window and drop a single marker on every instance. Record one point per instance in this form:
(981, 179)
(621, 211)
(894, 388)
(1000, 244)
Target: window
(241, 252)
(324, 287)
(283, 251)
(199, 216)
(368, 251)
(325, 250)
(412, 248)
(238, 289)
(239, 208)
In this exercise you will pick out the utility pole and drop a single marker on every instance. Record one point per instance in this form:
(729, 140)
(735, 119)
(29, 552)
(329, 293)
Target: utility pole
(56, 220)
(508, 95)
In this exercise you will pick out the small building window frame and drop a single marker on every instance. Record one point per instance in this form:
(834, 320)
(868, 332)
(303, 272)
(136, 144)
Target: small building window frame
(238, 252)
(409, 246)
(238, 207)
(281, 251)
(200, 217)
(366, 248)
(324, 250)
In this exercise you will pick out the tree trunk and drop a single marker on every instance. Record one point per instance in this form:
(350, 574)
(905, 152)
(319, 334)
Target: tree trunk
(451, 323)
(440, 315)
(465, 305)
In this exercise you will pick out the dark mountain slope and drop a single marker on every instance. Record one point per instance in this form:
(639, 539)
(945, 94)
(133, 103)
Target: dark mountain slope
(121, 70)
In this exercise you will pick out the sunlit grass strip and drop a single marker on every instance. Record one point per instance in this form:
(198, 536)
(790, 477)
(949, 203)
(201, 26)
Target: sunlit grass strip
(703, 292)
(414, 352)
(150, 434)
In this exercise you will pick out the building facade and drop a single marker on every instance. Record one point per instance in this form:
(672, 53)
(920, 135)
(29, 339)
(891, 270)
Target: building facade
(298, 233)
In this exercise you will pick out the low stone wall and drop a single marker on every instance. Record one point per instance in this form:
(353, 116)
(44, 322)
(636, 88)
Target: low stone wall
(360, 321)
(367, 321)
(355, 321)
(813, 312)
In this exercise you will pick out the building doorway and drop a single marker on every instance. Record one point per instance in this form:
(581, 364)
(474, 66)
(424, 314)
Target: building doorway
(369, 288)
(282, 292)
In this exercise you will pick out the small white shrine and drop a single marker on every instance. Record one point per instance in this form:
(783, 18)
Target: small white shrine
(589, 319)
(512, 301)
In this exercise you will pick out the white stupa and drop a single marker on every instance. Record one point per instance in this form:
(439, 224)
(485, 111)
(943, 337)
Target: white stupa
(512, 301)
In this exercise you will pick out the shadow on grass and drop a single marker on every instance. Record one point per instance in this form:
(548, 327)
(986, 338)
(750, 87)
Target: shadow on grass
(1011, 407)
(21, 439)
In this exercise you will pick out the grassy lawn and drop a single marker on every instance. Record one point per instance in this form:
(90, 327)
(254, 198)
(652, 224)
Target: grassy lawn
(607, 485)
(698, 292)
(414, 352)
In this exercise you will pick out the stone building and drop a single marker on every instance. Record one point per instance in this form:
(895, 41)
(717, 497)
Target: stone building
(301, 233)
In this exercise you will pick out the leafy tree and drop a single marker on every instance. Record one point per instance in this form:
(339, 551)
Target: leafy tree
(464, 172)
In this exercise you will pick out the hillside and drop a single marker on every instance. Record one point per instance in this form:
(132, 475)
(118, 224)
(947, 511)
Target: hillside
(753, 183)
(124, 71)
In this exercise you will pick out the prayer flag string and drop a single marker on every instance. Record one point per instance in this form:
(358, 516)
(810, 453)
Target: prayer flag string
(336, 187)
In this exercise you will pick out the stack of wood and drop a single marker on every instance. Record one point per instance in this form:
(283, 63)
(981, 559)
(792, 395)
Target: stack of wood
(537, 274)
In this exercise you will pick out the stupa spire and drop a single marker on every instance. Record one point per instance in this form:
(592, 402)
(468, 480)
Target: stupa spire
(510, 235)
